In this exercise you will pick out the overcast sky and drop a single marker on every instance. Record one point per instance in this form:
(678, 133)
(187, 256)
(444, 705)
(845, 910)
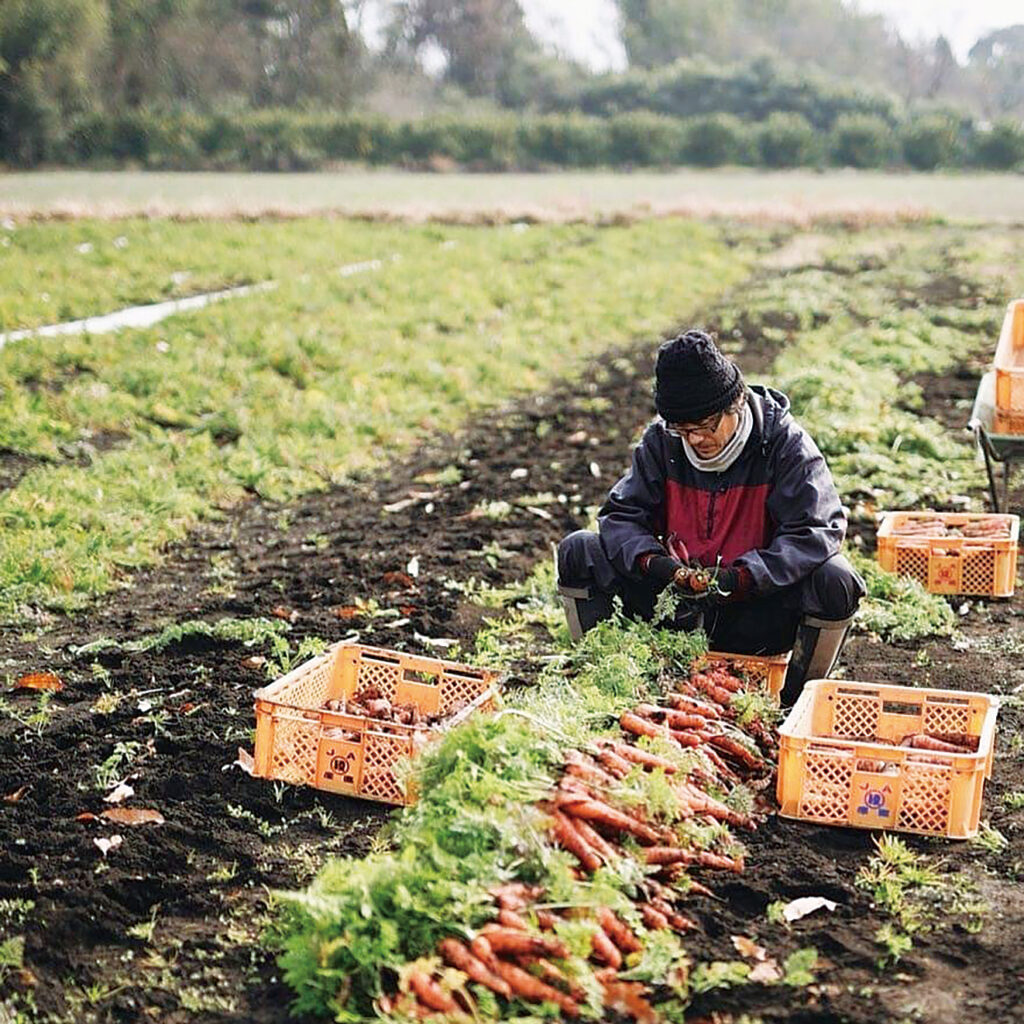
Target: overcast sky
(586, 28)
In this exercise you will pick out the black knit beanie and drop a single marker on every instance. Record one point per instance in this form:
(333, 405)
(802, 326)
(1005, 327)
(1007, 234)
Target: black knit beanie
(692, 379)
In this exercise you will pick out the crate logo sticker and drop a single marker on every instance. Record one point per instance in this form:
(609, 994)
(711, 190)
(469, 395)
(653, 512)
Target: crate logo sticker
(946, 574)
(874, 800)
(341, 764)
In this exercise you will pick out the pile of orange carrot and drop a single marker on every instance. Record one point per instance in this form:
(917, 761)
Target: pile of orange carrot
(519, 955)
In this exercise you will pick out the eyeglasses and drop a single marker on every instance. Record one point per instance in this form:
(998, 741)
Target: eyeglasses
(706, 427)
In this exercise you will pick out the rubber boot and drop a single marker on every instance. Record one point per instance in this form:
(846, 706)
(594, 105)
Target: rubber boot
(816, 650)
(584, 608)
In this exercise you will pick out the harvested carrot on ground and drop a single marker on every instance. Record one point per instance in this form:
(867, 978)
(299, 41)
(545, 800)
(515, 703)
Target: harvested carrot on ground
(602, 814)
(605, 949)
(618, 931)
(693, 705)
(665, 855)
(430, 993)
(570, 839)
(670, 716)
(731, 746)
(533, 990)
(654, 918)
(549, 972)
(512, 919)
(635, 755)
(462, 958)
(481, 949)
(596, 841)
(516, 943)
(641, 726)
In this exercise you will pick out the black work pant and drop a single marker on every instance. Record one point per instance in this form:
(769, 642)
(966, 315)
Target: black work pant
(759, 625)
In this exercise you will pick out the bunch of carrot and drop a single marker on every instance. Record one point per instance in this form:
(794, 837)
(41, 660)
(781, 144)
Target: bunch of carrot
(984, 527)
(517, 955)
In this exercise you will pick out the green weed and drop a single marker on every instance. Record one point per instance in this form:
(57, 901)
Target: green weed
(114, 767)
(990, 839)
(912, 890)
(899, 608)
(251, 632)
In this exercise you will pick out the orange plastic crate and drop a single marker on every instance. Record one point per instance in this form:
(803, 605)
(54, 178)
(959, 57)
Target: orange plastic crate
(840, 762)
(1007, 423)
(298, 741)
(1009, 364)
(951, 565)
(766, 669)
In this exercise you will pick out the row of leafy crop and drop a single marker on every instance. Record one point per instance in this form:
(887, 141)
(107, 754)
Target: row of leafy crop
(289, 140)
(549, 854)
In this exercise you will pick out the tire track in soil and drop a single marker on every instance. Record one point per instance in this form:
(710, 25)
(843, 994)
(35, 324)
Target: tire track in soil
(270, 562)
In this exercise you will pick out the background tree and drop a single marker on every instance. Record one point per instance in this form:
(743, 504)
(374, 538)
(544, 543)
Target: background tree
(480, 40)
(47, 50)
(998, 59)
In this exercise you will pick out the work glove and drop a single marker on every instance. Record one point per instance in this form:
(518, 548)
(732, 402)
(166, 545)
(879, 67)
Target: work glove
(734, 583)
(662, 569)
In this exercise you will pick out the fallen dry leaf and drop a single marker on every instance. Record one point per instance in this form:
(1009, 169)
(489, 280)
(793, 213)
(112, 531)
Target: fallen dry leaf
(119, 794)
(106, 845)
(245, 761)
(748, 948)
(256, 661)
(133, 816)
(288, 614)
(408, 609)
(399, 579)
(86, 816)
(627, 997)
(766, 972)
(805, 905)
(14, 796)
(345, 612)
(39, 681)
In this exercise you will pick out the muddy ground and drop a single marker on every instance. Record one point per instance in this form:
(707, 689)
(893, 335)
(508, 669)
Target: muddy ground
(166, 926)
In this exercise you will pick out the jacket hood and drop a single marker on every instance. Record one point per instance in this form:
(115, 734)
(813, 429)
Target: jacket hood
(774, 412)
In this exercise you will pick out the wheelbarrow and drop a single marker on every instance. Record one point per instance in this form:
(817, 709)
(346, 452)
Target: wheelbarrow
(1005, 449)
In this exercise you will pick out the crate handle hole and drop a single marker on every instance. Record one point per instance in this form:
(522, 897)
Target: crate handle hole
(895, 707)
(410, 675)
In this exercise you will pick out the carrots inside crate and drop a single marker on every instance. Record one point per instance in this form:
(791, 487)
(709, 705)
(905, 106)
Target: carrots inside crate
(892, 757)
(754, 670)
(972, 554)
(348, 720)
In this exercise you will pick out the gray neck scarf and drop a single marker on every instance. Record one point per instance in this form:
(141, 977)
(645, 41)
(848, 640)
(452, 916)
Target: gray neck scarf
(730, 453)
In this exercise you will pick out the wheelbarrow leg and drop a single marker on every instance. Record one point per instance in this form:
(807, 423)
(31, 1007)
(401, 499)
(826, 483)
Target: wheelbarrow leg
(990, 470)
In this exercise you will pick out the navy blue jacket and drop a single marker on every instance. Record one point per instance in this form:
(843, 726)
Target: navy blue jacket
(774, 513)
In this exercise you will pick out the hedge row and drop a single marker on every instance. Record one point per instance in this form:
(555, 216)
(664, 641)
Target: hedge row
(754, 91)
(284, 140)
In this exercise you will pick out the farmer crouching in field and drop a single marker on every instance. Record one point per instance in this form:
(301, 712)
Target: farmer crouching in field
(723, 479)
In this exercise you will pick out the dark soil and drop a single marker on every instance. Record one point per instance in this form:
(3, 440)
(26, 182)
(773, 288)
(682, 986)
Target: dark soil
(203, 876)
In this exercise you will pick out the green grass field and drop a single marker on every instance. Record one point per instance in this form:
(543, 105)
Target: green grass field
(136, 436)
(796, 195)
(290, 390)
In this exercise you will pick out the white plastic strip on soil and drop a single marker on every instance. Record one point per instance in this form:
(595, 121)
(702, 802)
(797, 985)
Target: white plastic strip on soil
(146, 316)
(135, 316)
